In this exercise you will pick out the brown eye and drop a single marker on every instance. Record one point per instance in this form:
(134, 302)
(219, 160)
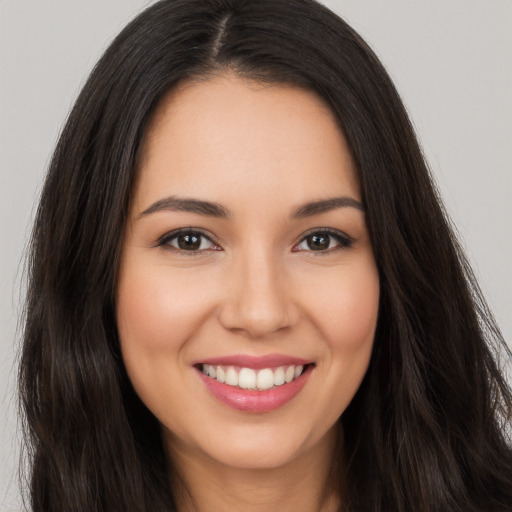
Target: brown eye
(318, 242)
(187, 241)
(324, 241)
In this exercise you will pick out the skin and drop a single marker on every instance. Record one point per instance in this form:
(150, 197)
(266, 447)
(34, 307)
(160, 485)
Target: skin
(258, 287)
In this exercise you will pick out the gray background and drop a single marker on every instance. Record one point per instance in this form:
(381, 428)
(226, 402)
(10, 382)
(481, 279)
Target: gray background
(451, 61)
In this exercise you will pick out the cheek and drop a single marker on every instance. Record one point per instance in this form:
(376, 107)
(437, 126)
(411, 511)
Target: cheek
(346, 308)
(357, 312)
(156, 309)
(346, 314)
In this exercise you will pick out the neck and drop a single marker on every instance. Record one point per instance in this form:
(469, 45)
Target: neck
(308, 483)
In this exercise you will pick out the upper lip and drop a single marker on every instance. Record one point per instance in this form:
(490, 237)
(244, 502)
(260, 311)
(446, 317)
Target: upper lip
(254, 362)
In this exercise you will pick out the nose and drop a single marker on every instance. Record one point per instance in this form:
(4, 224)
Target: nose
(259, 297)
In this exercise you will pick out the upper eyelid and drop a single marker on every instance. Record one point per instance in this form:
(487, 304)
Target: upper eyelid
(175, 232)
(329, 231)
(179, 231)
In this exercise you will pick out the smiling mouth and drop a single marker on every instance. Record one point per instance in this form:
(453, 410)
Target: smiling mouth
(255, 384)
(247, 378)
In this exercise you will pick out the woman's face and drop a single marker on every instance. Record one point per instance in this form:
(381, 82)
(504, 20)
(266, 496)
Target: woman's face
(246, 255)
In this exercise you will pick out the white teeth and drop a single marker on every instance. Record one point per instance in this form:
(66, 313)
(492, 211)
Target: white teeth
(221, 375)
(290, 374)
(247, 378)
(231, 377)
(265, 379)
(279, 377)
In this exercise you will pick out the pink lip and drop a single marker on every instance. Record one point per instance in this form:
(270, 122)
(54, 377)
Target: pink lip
(255, 401)
(254, 362)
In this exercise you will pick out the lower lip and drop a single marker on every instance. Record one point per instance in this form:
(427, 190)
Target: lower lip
(255, 401)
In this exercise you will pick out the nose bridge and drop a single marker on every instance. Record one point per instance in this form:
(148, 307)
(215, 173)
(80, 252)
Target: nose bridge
(260, 302)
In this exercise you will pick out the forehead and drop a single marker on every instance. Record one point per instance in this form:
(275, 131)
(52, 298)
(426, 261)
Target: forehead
(227, 136)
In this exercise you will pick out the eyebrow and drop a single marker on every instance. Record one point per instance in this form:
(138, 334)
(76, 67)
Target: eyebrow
(211, 209)
(178, 204)
(325, 205)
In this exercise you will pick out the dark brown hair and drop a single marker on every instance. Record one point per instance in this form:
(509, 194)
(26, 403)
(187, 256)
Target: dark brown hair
(426, 431)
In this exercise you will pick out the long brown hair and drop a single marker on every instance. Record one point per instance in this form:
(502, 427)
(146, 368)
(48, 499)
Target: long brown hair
(426, 431)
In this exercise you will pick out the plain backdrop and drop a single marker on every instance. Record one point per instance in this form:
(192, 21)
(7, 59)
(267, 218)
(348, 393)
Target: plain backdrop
(451, 61)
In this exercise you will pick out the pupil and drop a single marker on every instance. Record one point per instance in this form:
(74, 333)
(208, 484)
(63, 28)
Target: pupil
(189, 242)
(318, 242)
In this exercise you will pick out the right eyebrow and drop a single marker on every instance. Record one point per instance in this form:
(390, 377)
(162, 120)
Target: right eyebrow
(317, 207)
(177, 204)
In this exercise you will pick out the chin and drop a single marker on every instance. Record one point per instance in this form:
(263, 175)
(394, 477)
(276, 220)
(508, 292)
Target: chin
(262, 447)
(255, 457)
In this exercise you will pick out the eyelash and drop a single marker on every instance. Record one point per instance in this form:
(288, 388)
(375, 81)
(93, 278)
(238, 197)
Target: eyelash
(344, 241)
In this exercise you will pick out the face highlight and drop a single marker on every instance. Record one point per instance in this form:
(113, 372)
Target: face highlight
(248, 293)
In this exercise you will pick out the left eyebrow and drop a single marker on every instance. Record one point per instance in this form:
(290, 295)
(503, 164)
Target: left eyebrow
(183, 204)
(325, 205)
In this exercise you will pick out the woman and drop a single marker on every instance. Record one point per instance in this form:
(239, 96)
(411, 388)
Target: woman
(244, 294)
